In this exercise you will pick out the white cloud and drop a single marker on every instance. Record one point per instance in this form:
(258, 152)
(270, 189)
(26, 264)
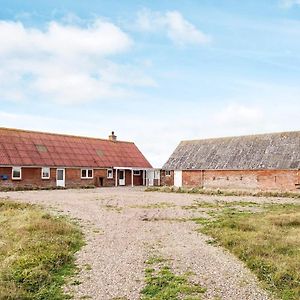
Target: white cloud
(176, 27)
(289, 3)
(65, 62)
(237, 115)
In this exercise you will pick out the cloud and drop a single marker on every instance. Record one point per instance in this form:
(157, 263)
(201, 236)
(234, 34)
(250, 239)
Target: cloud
(180, 31)
(66, 63)
(289, 3)
(239, 116)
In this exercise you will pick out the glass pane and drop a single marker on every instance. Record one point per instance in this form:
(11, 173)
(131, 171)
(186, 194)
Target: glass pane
(60, 175)
(46, 172)
(83, 173)
(16, 173)
(121, 175)
(90, 173)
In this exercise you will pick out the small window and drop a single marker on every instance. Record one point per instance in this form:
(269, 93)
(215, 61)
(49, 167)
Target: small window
(45, 173)
(16, 173)
(110, 173)
(136, 172)
(168, 173)
(87, 173)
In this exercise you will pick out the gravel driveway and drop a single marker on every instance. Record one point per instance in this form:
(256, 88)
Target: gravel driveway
(123, 226)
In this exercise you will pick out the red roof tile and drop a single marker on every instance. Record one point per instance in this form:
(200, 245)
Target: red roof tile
(29, 148)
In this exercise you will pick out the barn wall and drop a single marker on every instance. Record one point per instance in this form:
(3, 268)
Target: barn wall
(285, 180)
(166, 180)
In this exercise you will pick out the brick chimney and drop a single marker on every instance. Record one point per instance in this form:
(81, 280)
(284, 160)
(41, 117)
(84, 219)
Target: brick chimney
(112, 137)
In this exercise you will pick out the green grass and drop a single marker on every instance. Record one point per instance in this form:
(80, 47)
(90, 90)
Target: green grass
(163, 284)
(219, 192)
(36, 252)
(159, 205)
(268, 242)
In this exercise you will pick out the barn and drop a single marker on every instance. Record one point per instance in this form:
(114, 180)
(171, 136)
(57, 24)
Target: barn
(257, 162)
(30, 159)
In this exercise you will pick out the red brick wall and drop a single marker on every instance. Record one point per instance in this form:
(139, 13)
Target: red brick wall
(166, 180)
(31, 177)
(137, 180)
(284, 180)
(192, 178)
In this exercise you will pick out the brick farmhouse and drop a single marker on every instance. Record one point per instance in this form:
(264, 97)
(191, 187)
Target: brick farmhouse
(256, 162)
(31, 159)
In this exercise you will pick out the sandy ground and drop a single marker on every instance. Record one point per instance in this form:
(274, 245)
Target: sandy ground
(124, 226)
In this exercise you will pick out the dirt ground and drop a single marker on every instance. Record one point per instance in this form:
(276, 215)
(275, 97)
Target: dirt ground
(125, 226)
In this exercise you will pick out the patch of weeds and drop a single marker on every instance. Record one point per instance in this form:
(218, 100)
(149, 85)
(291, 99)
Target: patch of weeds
(37, 252)
(268, 242)
(98, 231)
(163, 284)
(154, 260)
(114, 208)
(154, 205)
(88, 267)
(218, 192)
(76, 282)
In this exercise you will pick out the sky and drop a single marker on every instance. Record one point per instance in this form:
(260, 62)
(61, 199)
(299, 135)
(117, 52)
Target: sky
(156, 72)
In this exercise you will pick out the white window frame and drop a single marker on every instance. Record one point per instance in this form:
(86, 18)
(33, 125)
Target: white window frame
(87, 173)
(47, 177)
(12, 173)
(168, 172)
(112, 174)
(136, 172)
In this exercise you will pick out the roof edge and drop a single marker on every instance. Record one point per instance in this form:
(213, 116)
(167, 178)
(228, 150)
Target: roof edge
(61, 134)
(240, 136)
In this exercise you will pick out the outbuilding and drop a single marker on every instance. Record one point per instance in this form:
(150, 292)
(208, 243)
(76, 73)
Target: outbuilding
(256, 162)
(37, 159)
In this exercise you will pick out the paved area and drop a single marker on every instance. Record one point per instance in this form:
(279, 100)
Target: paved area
(123, 226)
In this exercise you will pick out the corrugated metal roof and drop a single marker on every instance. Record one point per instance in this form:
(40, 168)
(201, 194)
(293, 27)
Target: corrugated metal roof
(263, 151)
(29, 148)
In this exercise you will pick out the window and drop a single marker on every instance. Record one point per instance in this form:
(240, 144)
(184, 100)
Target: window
(45, 173)
(136, 172)
(16, 173)
(168, 173)
(110, 173)
(87, 173)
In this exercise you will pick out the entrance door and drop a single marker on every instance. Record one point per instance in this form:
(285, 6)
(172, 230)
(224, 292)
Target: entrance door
(60, 177)
(178, 178)
(150, 177)
(121, 177)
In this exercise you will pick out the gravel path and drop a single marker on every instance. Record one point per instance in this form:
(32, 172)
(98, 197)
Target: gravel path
(122, 227)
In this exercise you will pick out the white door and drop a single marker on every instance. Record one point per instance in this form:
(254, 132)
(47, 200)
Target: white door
(150, 177)
(60, 177)
(121, 177)
(178, 178)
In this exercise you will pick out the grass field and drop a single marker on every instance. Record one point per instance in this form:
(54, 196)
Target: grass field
(36, 252)
(268, 242)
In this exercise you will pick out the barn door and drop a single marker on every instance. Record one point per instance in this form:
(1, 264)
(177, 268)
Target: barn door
(178, 178)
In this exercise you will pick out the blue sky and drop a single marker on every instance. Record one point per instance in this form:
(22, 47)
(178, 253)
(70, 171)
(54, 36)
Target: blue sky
(155, 72)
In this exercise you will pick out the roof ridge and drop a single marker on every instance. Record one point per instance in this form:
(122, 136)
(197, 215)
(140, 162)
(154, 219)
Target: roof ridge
(61, 134)
(241, 136)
